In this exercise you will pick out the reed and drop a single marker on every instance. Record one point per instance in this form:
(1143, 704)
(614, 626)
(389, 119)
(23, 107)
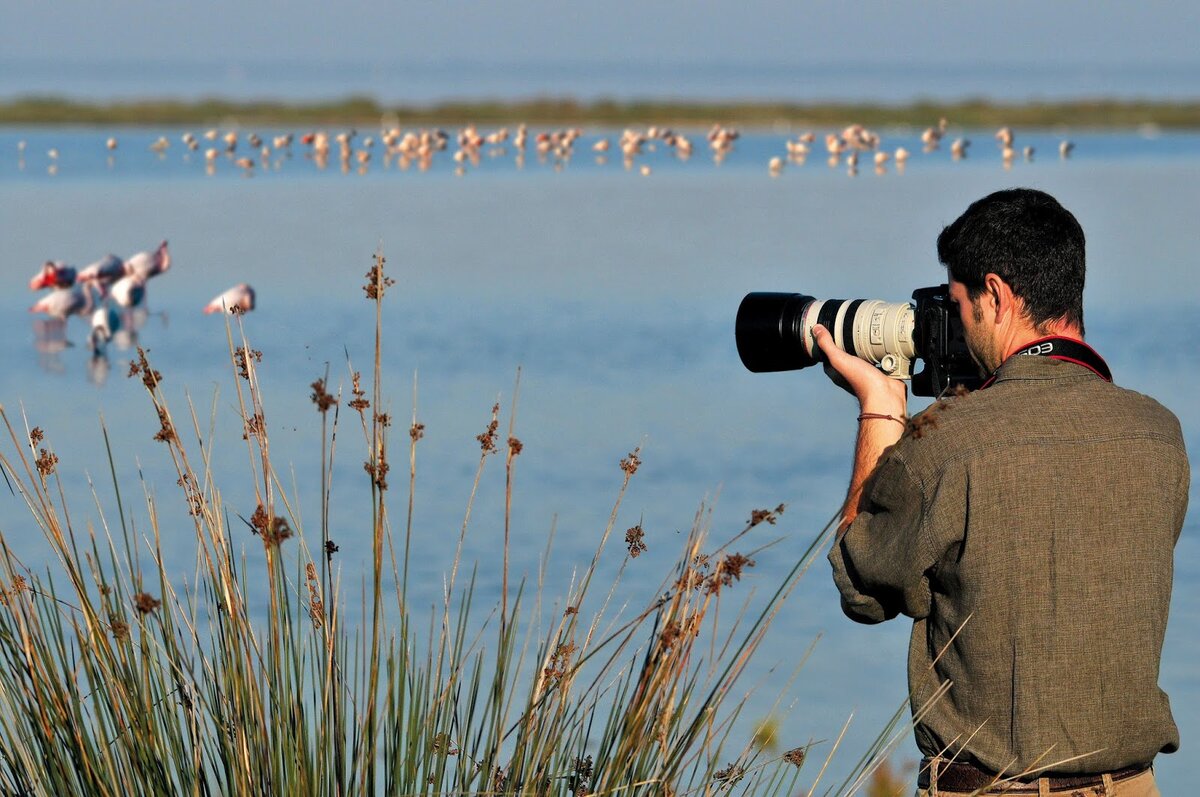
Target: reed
(116, 679)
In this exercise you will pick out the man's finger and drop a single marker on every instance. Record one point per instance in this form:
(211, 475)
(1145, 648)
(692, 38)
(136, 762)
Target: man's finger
(826, 343)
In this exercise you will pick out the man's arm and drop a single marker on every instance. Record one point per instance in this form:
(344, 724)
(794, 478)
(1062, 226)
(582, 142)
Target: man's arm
(878, 395)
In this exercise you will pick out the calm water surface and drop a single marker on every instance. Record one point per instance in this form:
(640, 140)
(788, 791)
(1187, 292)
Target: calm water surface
(614, 294)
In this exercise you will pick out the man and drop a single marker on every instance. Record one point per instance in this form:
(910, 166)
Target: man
(1027, 528)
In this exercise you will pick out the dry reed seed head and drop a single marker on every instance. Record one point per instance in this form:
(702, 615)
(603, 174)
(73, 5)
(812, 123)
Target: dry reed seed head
(242, 357)
(145, 603)
(360, 403)
(670, 635)
(276, 532)
(442, 743)
(255, 426)
(730, 775)
(120, 629)
(36, 435)
(19, 584)
(377, 282)
(330, 549)
(383, 419)
(260, 521)
(766, 515)
(560, 661)
(166, 434)
(487, 440)
(567, 612)
(635, 540)
(728, 570)
(416, 431)
(577, 781)
(150, 378)
(321, 397)
(694, 573)
(796, 756)
(630, 463)
(676, 630)
(45, 462)
(378, 471)
(316, 607)
(515, 446)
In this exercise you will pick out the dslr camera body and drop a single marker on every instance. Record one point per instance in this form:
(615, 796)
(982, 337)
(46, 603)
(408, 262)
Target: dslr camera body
(775, 333)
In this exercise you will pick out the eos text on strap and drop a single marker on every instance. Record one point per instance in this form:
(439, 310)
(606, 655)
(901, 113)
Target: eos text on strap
(1067, 349)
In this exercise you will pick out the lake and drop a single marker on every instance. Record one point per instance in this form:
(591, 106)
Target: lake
(614, 293)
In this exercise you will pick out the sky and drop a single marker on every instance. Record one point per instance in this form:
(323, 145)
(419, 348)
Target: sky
(69, 39)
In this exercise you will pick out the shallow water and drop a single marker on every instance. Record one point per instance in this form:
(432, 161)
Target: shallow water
(614, 294)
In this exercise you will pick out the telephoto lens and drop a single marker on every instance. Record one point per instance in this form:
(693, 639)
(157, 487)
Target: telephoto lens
(774, 332)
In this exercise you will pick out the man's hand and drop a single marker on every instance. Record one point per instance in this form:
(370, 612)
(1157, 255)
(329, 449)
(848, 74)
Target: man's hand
(875, 390)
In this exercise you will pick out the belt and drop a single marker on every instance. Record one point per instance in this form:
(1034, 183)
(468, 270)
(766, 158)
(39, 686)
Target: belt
(960, 776)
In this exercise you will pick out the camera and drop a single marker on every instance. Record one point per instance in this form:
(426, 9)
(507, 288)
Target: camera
(775, 333)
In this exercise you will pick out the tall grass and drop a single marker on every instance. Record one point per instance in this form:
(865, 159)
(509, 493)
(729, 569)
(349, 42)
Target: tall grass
(117, 679)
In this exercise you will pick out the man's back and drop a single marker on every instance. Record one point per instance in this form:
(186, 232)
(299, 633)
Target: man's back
(1029, 528)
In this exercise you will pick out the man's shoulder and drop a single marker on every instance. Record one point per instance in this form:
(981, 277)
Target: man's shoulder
(1033, 413)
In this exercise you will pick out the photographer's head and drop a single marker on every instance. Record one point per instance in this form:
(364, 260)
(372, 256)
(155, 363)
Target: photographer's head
(1016, 257)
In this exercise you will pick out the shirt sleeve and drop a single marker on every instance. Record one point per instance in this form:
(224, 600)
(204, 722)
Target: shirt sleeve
(880, 564)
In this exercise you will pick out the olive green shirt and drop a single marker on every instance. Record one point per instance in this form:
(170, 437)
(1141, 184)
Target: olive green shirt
(1028, 529)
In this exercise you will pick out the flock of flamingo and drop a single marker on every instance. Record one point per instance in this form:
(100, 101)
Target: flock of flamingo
(252, 153)
(111, 294)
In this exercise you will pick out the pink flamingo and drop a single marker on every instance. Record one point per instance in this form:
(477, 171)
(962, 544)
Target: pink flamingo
(63, 302)
(149, 264)
(238, 299)
(103, 272)
(129, 291)
(55, 274)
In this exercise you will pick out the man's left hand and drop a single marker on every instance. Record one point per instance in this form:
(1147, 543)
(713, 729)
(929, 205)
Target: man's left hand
(876, 391)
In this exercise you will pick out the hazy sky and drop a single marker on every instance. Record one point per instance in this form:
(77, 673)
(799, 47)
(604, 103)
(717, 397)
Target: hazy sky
(1009, 34)
(789, 31)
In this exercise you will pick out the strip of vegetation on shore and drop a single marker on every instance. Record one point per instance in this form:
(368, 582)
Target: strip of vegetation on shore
(1089, 113)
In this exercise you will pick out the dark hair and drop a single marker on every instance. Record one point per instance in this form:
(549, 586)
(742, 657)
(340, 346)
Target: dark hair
(1027, 239)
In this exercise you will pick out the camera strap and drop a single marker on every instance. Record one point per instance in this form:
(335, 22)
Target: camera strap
(1059, 348)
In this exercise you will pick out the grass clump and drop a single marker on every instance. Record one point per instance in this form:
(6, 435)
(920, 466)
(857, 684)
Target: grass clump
(117, 679)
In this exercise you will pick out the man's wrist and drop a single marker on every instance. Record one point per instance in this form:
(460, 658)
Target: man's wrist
(881, 416)
(900, 410)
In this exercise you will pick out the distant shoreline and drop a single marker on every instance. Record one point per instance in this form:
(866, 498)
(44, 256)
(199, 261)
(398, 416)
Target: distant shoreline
(1099, 114)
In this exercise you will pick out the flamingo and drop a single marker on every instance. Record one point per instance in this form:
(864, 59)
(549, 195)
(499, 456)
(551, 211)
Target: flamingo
(149, 264)
(54, 274)
(103, 272)
(105, 322)
(129, 291)
(63, 302)
(238, 299)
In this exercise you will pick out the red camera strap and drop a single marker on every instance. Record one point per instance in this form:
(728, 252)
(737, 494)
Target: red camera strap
(1060, 348)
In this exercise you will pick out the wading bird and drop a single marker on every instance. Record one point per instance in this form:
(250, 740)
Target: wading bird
(238, 299)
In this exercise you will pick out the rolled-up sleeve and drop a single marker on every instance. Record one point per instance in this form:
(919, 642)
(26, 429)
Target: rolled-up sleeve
(880, 564)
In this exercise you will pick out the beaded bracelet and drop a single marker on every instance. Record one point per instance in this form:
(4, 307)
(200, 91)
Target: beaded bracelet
(869, 415)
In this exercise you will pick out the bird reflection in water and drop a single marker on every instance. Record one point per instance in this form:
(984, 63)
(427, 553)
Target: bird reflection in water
(110, 330)
(49, 341)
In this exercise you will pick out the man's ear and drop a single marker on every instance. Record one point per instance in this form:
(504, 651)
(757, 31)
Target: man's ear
(1000, 295)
